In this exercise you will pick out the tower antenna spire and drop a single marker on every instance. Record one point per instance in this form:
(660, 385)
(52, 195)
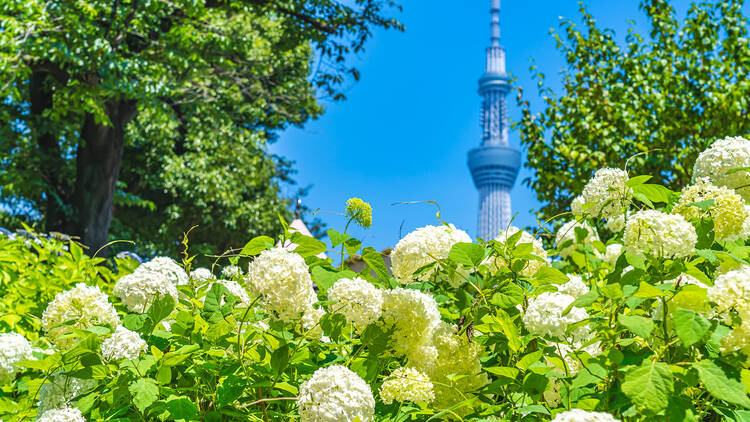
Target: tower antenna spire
(494, 164)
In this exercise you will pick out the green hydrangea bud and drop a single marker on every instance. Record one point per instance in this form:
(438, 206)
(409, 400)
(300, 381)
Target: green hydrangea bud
(359, 211)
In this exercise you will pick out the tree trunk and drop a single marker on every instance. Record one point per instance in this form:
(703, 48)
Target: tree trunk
(58, 213)
(98, 167)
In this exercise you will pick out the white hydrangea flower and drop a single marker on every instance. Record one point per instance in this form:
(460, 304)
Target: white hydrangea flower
(607, 190)
(335, 394)
(67, 414)
(569, 353)
(231, 271)
(424, 246)
(552, 394)
(725, 155)
(731, 290)
(201, 274)
(543, 316)
(745, 230)
(311, 322)
(13, 348)
(578, 415)
(138, 290)
(613, 252)
(413, 314)
(123, 344)
(282, 279)
(357, 299)
(652, 232)
(574, 287)
(738, 339)
(60, 390)
(568, 233)
(407, 384)
(170, 269)
(450, 353)
(728, 210)
(532, 266)
(616, 223)
(85, 305)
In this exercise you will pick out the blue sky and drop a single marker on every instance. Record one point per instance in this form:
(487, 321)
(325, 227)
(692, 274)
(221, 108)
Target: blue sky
(405, 129)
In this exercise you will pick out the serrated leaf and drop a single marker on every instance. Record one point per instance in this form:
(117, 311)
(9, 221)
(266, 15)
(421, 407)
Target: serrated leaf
(160, 308)
(336, 237)
(637, 180)
(549, 275)
(144, 392)
(640, 326)
(654, 193)
(181, 408)
(306, 245)
(691, 327)
(719, 385)
(257, 245)
(230, 389)
(649, 386)
(508, 296)
(375, 261)
(470, 254)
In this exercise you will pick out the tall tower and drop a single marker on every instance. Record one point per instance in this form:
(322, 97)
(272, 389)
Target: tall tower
(494, 164)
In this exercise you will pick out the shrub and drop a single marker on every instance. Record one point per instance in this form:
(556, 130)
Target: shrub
(651, 323)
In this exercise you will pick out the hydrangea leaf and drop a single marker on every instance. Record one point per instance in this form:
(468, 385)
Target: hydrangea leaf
(144, 392)
(649, 386)
(691, 327)
(640, 326)
(720, 385)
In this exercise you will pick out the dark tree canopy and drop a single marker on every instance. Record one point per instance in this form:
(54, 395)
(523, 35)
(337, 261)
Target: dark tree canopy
(652, 104)
(156, 115)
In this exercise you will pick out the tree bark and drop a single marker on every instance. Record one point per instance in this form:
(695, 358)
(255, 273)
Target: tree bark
(58, 214)
(98, 167)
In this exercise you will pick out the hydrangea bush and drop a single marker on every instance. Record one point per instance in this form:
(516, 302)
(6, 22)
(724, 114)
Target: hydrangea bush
(636, 308)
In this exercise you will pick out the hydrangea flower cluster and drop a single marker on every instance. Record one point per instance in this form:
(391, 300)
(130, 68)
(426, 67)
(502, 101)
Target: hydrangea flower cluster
(335, 394)
(413, 315)
(578, 415)
(13, 348)
(281, 277)
(67, 414)
(574, 287)
(170, 269)
(359, 211)
(60, 390)
(231, 271)
(607, 194)
(495, 263)
(544, 316)
(449, 353)
(122, 344)
(724, 155)
(731, 290)
(407, 384)
(728, 210)
(424, 246)
(201, 274)
(614, 250)
(652, 232)
(137, 291)
(358, 300)
(570, 352)
(567, 233)
(85, 305)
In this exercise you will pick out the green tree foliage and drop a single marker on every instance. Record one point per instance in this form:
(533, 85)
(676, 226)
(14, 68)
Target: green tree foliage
(649, 104)
(158, 114)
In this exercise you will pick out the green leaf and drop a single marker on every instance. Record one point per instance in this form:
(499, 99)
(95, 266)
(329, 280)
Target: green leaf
(647, 291)
(325, 277)
(509, 296)
(181, 408)
(336, 237)
(654, 193)
(549, 275)
(639, 325)
(469, 254)
(702, 205)
(503, 371)
(280, 358)
(164, 375)
(719, 385)
(144, 392)
(306, 245)
(257, 245)
(649, 386)
(352, 245)
(691, 327)
(534, 383)
(375, 261)
(230, 389)
(637, 180)
(509, 329)
(161, 308)
(529, 359)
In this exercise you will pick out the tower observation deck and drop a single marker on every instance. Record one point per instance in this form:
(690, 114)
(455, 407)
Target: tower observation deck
(494, 164)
